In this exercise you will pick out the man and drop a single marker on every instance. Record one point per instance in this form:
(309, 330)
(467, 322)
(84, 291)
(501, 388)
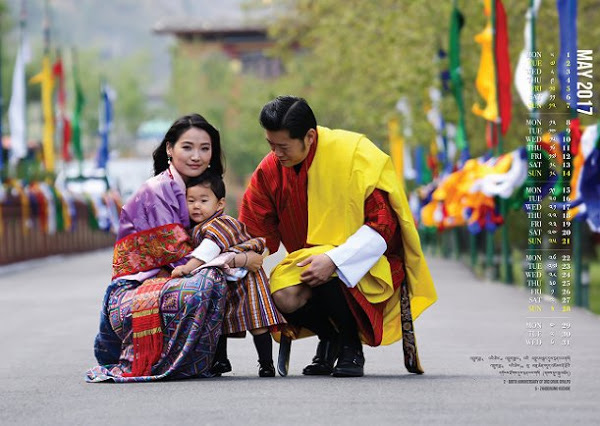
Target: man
(332, 198)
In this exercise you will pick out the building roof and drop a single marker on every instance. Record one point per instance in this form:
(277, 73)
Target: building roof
(208, 29)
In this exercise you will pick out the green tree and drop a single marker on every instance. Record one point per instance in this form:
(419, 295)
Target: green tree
(213, 86)
(353, 61)
(360, 59)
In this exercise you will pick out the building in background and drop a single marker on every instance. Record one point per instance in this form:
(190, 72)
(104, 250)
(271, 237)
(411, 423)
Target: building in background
(244, 44)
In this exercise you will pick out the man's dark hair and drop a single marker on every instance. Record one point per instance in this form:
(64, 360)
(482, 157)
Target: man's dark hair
(288, 113)
(211, 179)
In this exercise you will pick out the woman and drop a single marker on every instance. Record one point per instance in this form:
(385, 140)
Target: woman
(152, 326)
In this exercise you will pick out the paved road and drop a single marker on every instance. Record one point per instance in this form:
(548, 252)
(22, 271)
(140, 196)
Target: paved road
(49, 312)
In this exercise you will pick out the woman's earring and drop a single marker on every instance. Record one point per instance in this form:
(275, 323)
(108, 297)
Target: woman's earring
(169, 158)
(208, 166)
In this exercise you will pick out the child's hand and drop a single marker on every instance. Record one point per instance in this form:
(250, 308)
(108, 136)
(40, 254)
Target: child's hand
(253, 261)
(179, 271)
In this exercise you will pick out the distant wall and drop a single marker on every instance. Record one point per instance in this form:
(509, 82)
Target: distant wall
(19, 243)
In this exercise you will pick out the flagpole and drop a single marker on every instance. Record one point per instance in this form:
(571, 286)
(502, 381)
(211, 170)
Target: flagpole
(45, 79)
(489, 235)
(506, 254)
(2, 166)
(79, 101)
(21, 166)
(534, 114)
(456, 79)
(46, 36)
(46, 27)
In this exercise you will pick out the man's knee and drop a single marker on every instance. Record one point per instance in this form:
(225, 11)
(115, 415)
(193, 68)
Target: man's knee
(292, 298)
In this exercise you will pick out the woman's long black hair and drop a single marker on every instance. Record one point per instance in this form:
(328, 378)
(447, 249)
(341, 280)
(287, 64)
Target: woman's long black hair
(179, 127)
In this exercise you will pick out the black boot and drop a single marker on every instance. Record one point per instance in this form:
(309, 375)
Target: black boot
(220, 363)
(331, 298)
(350, 363)
(264, 348)
(266, 369)
(312, 317)
(322, 362)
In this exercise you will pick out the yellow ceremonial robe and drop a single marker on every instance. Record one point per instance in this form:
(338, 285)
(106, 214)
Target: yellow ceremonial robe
(347, 167)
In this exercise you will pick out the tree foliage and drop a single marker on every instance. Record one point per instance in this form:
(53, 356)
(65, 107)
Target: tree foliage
(363, 58)
(214, 87)
(352, 60)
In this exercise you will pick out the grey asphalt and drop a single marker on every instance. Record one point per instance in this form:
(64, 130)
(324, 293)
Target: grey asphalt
(49, 314)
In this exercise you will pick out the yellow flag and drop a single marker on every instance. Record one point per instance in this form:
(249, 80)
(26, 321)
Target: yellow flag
(396, 149)
(485, 81)
(45, 78)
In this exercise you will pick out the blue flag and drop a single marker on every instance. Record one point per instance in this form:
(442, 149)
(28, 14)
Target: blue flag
(104, 124)
(567, 59)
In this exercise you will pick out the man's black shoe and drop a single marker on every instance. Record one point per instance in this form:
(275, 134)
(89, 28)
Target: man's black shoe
(266, 369)
(350, 363)
(322, 363)
(220, 367)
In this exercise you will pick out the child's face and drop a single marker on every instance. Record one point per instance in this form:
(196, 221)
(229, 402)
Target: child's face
(202, 202)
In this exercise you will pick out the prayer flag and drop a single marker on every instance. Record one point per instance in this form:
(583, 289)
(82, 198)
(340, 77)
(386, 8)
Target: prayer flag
(63, 122)
(104, 124)
(79, 103)
(456, 24)
(396, 149)
(523, 71)
(44, 77)
(485, 81)
(502, 67)
(423, 175)
(409, 171)
(17, 107)
(567, 59)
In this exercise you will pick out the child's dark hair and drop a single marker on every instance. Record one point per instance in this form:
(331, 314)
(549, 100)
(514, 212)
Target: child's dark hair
(211, 179)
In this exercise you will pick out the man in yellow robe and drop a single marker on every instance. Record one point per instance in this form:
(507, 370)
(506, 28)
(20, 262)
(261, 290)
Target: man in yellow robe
(354, 271)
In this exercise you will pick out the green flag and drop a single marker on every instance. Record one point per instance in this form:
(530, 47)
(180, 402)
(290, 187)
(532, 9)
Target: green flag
(456, 24)
(79, 103)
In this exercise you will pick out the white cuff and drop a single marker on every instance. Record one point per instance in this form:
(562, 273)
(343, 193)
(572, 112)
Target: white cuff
(206, 251)
(355, 257)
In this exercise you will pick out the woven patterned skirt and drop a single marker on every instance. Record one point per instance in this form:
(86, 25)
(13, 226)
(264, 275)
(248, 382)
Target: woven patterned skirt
(192, 311)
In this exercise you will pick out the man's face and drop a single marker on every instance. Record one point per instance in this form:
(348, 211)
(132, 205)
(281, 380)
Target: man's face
(288, 151)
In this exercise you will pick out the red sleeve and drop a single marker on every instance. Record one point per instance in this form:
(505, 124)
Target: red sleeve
(380, 216)
(258, 211)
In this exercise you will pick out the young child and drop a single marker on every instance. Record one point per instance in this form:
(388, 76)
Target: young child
(249, 304)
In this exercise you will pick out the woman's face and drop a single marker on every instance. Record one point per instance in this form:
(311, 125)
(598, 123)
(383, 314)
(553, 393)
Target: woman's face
(191, 153)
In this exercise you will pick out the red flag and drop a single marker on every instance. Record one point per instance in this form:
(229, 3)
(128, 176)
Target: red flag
(432, 163)
(575, 128)
(502, 67)
(66, 128)
(57, 71)
(491, 137)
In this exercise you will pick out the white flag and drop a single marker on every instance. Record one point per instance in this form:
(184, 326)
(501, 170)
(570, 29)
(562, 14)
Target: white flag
(523, 74)
(16, 109)
(409, 171)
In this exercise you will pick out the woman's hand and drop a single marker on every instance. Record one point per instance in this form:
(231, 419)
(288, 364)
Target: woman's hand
(253, 263)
